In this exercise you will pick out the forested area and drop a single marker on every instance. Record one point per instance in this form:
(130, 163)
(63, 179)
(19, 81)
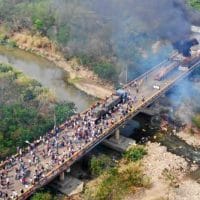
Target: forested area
(195, 4)
(93, 31)
(72, 25)
(105, 36)
(26, 110)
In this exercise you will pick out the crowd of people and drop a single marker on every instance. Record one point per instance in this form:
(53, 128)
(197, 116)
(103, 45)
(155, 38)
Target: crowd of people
(31, 165)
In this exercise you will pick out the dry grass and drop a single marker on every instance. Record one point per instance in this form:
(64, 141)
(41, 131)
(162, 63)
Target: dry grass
(3, 29)
(23, 80)
(36, 41)
(46, 97)
(126, 179)
(42, 46)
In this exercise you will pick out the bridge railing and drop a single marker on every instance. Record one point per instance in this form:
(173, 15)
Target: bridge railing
(100, 101)
(56, 171)
(2, 164)
(68, 162)
(144, 75)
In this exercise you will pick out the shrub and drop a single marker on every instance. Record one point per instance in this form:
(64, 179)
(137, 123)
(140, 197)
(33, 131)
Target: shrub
(26, 110)
(99, 164)
(64, 111)
(39, 24)
(5, 68)
(11, 43)
(29, 94)
(135, 153)
(196, 121)
(105, 71)
(194, 3)
(85, 60)
(63, 34)
(42, 196)
(117, 182)
(3, 39)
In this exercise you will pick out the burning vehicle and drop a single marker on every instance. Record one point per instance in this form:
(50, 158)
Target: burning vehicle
(184, 59)
(184, 46)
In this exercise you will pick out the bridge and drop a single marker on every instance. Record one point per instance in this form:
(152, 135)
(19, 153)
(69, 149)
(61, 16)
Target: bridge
(22, 174)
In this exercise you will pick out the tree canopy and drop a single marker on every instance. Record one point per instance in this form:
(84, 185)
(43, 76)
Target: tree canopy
(26, 110)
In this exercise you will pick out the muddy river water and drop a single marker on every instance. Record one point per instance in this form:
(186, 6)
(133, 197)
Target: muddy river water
(54, 78)
(47, 73)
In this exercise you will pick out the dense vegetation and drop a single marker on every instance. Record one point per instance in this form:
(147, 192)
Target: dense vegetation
(195, 4)
(196, 120)
(117, 179)
(101, 39)
(99, 164)
(69, 24)
(43, 196)
(26, 110)
(135, 153)
(108, 35)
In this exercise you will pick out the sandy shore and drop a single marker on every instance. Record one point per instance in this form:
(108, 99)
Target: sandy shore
(168, 177)
(190, 138)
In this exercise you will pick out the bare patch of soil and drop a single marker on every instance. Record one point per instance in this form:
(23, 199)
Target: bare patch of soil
(168, 174)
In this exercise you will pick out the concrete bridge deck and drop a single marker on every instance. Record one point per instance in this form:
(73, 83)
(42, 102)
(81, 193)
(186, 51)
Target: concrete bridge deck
(146, 95)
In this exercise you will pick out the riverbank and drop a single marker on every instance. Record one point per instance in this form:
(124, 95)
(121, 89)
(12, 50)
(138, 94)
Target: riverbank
(48, 74)
(169, 176)
(191, 135)
(79, 76)
(27, 110)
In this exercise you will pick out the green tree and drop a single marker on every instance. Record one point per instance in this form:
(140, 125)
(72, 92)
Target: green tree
(196, 121)
(63, 35)
(99, 164)
(135, 153)
(42, 196)
(105, 70)
(39, 24)
(21, 115)
(195, 4)
(64, 111)
(5, 68)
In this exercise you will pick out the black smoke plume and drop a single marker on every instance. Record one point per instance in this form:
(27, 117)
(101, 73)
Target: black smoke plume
(122, 30)
(166, 19)
(184, 46)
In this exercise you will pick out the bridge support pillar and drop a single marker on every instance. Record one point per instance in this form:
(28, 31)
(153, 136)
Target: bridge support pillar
(62, 176)
(69, 186)
(117, 135)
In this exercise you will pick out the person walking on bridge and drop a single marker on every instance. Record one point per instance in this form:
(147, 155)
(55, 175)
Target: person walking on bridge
(143, 99)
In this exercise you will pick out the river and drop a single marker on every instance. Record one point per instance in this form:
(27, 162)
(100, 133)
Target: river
(48, 74)
(54, 78)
